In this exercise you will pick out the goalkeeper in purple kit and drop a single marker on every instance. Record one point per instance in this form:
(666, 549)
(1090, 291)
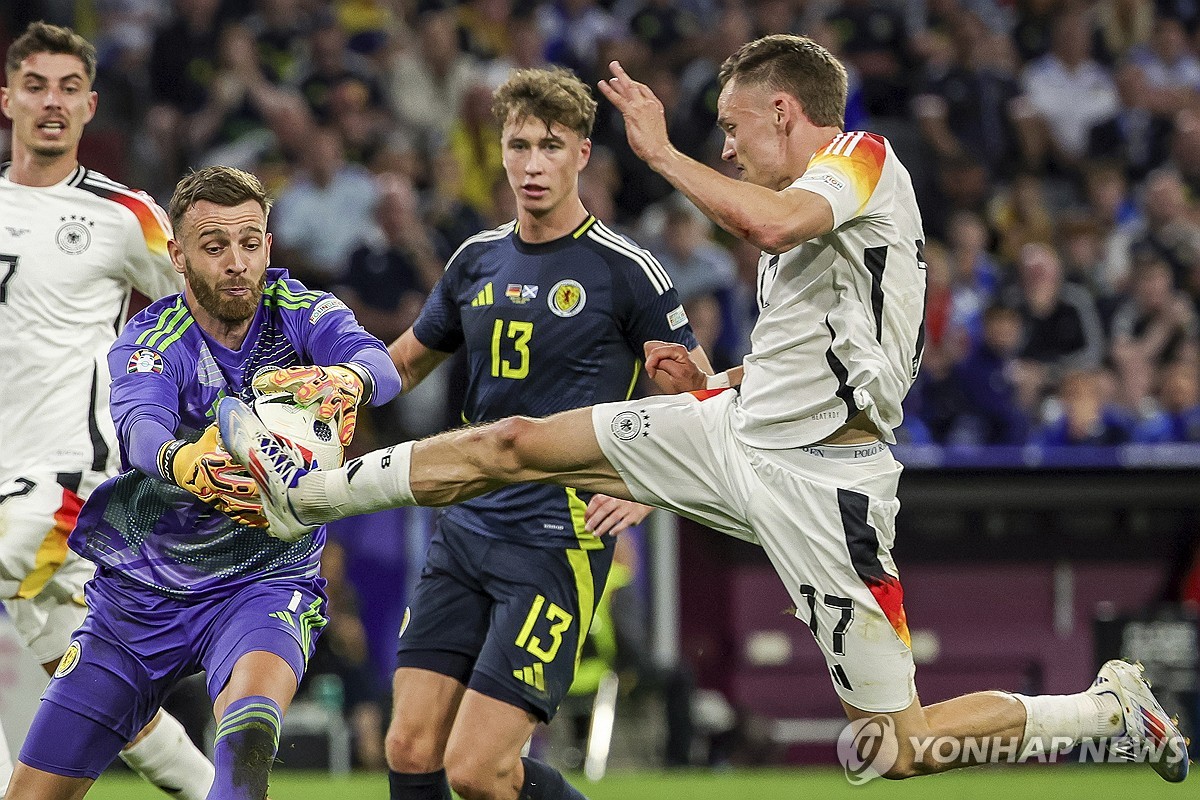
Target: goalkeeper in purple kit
(187, 577)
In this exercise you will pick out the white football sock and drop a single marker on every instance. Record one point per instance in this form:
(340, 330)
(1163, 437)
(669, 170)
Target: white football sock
(167, 758)
(374, 482)
(1070, 716)
(6, 765)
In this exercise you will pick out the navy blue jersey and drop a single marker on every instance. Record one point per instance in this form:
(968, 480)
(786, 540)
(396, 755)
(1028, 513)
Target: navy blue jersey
(548, 327)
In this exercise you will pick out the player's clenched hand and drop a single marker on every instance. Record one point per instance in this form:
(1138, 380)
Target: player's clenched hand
(645, 121)
(671, 367)
(608, 516)
(207, 471)
(334, 390)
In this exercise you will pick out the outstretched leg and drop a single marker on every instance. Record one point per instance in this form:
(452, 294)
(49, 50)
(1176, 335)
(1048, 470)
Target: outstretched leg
(438, 471)
(988, 727)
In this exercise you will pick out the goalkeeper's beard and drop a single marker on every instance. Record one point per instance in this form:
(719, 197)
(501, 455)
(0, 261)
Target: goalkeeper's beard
(230, 310)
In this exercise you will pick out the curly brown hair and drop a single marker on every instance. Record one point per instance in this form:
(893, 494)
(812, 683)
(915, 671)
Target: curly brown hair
(551, 95)
(42, 37)
(796, 65)
(225, 186)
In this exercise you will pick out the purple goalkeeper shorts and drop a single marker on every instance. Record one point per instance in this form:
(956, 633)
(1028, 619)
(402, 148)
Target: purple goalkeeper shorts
(134, 645)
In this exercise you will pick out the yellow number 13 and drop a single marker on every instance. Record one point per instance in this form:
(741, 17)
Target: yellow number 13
(559, 620)
(519, 333)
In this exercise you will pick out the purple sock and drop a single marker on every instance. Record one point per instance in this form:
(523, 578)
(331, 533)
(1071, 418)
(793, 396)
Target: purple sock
(247, 738)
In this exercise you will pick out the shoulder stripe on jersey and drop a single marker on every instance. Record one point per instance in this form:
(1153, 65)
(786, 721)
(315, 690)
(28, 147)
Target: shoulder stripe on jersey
(654, 271)
(171, 325)
(156, 229)
(287, 297)
(483, 236)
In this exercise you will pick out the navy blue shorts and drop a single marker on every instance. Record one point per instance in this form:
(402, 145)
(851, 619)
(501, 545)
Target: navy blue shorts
(502, 618)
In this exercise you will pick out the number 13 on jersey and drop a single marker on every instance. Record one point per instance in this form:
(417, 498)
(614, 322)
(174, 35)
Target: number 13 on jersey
(510, 349)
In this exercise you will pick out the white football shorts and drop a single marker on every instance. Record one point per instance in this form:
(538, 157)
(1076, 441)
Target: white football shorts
(41, 579)
(824, 514)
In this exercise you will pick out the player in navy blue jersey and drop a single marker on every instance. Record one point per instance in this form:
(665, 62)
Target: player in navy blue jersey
(554, 310)
(188, 578)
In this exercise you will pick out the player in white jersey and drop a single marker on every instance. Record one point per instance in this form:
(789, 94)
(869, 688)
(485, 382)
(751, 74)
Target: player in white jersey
(799, 461)
(73, 244)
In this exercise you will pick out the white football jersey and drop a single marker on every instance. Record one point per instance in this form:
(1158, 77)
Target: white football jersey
(840, 327)
(69, 254)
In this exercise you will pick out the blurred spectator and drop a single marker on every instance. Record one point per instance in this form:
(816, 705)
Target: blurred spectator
(1088, 416)
(574, 30)
(1061, 328)
(668, 30)
(526, 48)
(485, 26)
(1134, 135)
(703, 272)
(1156, 324)
(183, 63)
(1185, 149)
(699, 135)
(964, 108)
(446, 211)
(975, 275)
(1111, 207)
(1034, 26)
(368, 23)
(331, 69)
(1169, 226)
(427, 80)
(475, 145)
(389, 277)
(1122, 25)
(1020, 215)
(1178, 419)
(995, 412)
(324, 214)
(233, 126)
(1082, 249)
(1172, 70)
(279, 28)
(1067, 91)
(873, 38)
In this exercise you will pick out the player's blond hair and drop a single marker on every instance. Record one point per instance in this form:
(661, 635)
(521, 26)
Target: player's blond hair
(42, 37)
(225, 186)
(551, 95)
(797, 65)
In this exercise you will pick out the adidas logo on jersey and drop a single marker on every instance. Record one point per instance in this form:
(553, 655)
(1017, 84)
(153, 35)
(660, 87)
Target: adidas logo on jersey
(534, 676)
(484, 298)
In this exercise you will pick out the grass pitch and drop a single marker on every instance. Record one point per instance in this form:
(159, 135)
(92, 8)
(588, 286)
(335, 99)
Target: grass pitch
(1030, 782)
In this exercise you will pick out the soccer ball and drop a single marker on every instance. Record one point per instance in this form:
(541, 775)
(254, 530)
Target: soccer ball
(313, 440)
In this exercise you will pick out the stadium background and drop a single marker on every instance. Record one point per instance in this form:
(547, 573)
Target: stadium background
(1049, 504)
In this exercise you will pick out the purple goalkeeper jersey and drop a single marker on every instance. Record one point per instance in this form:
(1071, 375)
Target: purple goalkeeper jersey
(168, 378)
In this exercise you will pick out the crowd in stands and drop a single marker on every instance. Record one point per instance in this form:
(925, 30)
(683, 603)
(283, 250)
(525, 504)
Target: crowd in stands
(1054, 144)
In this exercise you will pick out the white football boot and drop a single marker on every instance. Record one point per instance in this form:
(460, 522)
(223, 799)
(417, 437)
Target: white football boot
(1150, 734)
(275, 467)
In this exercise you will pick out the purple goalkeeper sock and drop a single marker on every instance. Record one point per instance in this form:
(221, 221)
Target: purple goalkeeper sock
(247, 739)
(543, 782)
